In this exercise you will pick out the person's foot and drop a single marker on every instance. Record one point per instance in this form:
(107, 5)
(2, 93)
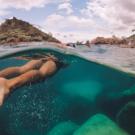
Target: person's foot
(3, 90)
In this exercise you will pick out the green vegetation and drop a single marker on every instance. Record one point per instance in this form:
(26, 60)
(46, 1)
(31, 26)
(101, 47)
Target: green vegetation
(15, 31)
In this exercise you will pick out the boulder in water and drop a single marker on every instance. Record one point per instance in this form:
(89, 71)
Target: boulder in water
(100, 125)
(113, 101)
(126, 117)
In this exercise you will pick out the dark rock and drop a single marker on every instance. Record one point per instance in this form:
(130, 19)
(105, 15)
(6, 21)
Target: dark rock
(126, 117)
(111, 103)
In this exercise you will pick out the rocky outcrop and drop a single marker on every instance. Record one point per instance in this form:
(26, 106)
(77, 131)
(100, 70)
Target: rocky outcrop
(15, 31)
(100, 125)
(111, 41)
(126, 117)
(121, 42)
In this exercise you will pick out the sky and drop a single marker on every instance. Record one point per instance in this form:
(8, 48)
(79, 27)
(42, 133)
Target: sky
(74, 20)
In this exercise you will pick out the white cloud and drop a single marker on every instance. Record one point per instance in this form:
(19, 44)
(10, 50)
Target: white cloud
(68, 23)
(66, 6)
(25, 4)
(117, 14)
(99, 17)
(73, 27)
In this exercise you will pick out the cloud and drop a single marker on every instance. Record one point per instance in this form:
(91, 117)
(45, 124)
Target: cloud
(98, 17)
(22, 4)
(68, 23)
(68, 28)
(66, 6)
(117, 14)
(73, 27)
(26, 4)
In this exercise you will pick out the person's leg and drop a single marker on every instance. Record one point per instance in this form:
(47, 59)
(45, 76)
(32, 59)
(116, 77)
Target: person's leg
(4, 89)
(10, 72)
(6, 86)
(33, 64)
(46, 69)
(15, 71)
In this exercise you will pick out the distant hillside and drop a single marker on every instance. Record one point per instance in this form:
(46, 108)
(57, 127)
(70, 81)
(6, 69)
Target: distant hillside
(111, 40)
(15, 31)
(132, 37)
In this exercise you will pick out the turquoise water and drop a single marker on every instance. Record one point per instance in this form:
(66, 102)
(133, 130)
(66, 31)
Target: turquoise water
(74, 94)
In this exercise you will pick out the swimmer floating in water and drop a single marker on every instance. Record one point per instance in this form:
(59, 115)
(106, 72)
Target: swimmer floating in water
(33, 71)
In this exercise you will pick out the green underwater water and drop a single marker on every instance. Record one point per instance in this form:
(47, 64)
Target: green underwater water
(73, 94)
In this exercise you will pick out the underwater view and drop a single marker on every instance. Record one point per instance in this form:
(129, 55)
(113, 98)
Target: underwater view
(81, 98)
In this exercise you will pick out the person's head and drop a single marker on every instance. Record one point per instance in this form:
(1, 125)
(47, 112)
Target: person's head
(59, 63)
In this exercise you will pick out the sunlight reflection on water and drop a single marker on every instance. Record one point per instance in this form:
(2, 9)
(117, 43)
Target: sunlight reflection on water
(123, 58)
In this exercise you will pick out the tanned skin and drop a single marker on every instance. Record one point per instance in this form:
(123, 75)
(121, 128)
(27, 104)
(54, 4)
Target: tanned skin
(33, 71)
(15, 71)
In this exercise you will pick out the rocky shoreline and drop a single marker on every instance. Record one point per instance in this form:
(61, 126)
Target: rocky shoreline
(121, 42)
